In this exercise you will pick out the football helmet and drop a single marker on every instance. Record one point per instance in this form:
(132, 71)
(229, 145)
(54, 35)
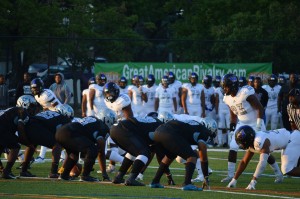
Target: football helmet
(250, 80)
(107, 116)
(133, 79)
(122, 82)
(217, 81)
(65, 109)
(272, 80)
(165, 81)
(150, 80)
(111, 91)
(28, 102)
(230, 84)
(281, 80)
(36, 86)
(165, 116)
(244, 137)
(171, 77)
(211, 125)
(193, 78)
(101, 79)
(140, 80)
(242, 81)
(92, 80)
(207, 81)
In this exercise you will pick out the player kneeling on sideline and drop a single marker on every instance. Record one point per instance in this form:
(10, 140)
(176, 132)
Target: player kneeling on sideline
(176, 137)
(265, 142)
(88, 136)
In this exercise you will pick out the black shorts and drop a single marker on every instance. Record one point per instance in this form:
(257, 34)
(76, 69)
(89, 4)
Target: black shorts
(175, 144)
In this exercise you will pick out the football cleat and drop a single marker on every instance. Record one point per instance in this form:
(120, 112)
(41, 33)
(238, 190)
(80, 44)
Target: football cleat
(88, 179)
(118, 180)
(278, 179)
(39, 160)
(66, 178)
(199, 178)
(53, 175)
(140, 177)
(156, 185)
(191, 187)
(133, 183)
(227, 179)
(9, 175)
(27, 174)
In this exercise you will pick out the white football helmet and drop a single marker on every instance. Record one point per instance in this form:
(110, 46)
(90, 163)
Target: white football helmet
(211, 125)
(165, 116)
(107, 116)
(65, 110)
(26, 101)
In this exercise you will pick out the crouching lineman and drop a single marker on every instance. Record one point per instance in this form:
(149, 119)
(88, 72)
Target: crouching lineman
(40, 130)
(12, 120)
(132, 135)
(265, 142)
(176, 137)
(86, 136)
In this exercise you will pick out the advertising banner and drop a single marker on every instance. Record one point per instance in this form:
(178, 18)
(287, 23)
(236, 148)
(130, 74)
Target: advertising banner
(114, 71)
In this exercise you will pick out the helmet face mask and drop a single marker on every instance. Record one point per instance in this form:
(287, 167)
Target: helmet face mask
(272, 80)
(36, 86)
(242, 81)
(101, 79)
(193, 78)
(211, 125)
(230, 84)
(244, 137)
(165, 81)
(92, 80)
(111, 92)
(150, 80)
(217, 81)
(29, 103)
(207, 81)
(171, 77)
(122, 82)
(107, 116)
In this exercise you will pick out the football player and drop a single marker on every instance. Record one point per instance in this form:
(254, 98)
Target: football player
(96, 98)
(264, 143)
(85, 103)
(150, 89)
(271, 110)
(245, 108)
(12, 120)
(40, 130)
(176, 137)
(138, 96)
(193, 97)
(176, 85)
(250, 81)
(242, 81)
(209, 97)
(122, 83)
(165, 97)
(86, 136)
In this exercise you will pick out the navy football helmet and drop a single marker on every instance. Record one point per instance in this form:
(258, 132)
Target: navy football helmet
(193, 78)
(230, 84)
(242, 81)
(122, 82)
(244, 137)
(101, 79)
(37, 86)
(272, 80)
(207, 81)
(150, 80)
(111, 91)
(92, 80)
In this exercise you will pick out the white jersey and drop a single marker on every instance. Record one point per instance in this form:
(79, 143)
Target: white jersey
(150, 92)
(86, 92)
(279, 139)
(222, 105)
(240, 106)
(273, 95)
(117, 106)
(165, 96)
(136, 95)
(177, 86)
(208, 92)
(193, 93)
(183, 117)
(124, 90)
(46, 99)
(98, 102)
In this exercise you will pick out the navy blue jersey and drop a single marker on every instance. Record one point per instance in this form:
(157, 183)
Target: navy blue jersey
(191, 130)
(90, 127)
(10, 117)
(50, 120)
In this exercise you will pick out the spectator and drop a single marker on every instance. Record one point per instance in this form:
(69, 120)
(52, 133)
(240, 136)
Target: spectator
(61, 89)
(4, 98)
(23, 88)
(283, 99)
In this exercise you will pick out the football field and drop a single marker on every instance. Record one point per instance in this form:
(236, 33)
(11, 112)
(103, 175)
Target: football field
(42, 187)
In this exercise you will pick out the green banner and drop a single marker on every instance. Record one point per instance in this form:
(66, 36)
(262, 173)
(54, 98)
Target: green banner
(114, 71)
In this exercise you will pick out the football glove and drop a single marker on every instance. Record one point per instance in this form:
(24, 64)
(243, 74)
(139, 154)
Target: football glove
(232, 183)
(251, 185)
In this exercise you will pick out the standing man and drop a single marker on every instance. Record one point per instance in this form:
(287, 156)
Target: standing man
(23, 88)
(96, 98)
(4, 98)
(122, 83)
(176, 85)
(245, 109)
(271, 111)
(61, 89)
(209, 93)
(193, 97)
(283, 99)
(85, 103)
(150, 89)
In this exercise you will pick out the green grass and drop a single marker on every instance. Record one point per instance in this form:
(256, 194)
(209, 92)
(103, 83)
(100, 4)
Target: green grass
(33, 188)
